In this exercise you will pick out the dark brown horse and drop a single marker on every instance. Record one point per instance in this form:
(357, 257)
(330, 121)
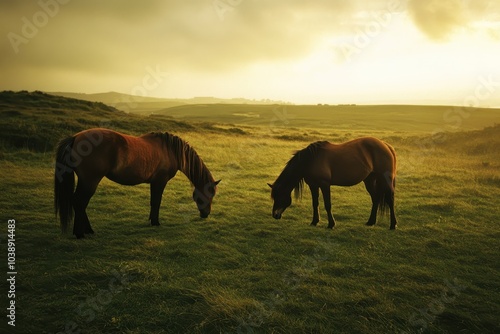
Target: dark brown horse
(152, 158)
(323, 164)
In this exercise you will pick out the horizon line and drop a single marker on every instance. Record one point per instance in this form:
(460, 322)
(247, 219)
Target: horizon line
(270, 101)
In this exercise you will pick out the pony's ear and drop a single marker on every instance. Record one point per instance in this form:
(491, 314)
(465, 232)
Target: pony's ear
(270, 185)
(217, 182)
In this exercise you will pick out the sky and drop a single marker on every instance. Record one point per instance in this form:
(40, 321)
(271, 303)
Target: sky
(303, 52)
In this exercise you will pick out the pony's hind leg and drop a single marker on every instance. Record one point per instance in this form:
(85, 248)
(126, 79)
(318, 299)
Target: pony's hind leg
(371, 187)
(328, 205)
(385, 189)
(84, 191)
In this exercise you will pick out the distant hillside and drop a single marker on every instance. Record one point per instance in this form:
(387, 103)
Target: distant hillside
(110, 97)
(37, 121)
(41, 100)
(146, 105)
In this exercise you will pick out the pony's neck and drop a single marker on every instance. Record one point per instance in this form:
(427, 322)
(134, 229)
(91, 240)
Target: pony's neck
(290, 179)
(188, 161)
(193, 167)
(292, 176)
(198, 174)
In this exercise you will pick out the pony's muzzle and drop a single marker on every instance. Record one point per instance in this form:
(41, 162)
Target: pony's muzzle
(277, 214)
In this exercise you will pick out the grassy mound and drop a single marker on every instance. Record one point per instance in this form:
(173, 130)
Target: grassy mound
(37, 121)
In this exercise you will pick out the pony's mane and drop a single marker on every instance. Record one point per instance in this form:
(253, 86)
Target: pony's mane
(189, 161)
(292, 176)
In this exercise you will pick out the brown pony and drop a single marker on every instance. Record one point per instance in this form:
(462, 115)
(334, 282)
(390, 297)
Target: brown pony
(152, 158)
(322, 164)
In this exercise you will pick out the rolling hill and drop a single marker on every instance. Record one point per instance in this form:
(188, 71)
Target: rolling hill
(146, 105)
(36, 120)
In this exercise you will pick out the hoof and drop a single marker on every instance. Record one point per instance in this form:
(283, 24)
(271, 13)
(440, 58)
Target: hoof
(313, 224)
(392, 227)
(369, 224)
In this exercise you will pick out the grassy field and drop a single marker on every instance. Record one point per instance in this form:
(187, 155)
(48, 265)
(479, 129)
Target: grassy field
(398, 118)
(240, 271)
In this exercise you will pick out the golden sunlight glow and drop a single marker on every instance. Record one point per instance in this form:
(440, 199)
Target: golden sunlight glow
(331, 52)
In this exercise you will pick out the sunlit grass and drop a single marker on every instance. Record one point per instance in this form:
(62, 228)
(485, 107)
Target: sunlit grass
(240, 270)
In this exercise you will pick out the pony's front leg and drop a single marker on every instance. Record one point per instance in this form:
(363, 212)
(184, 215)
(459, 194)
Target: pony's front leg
(328, 205)
(315, 204)
(156, 195)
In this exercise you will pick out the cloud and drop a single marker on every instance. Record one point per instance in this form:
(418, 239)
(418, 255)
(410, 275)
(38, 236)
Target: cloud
(113, 36)
(440, 19)
(112, 42)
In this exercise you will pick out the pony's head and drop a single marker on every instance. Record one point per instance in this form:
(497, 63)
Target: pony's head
(282, 200)
(290, 179)
(203, 198)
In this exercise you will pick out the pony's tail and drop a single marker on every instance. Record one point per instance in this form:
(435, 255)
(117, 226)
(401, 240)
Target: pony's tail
(64, 183)
(387, 187)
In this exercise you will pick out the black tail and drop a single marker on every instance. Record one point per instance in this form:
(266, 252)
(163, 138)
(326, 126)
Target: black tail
(386, 200)
(64, 183)
(388, 185)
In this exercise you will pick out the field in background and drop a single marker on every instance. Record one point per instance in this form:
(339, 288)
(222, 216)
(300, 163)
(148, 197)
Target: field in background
(400, 119)
(240, 271)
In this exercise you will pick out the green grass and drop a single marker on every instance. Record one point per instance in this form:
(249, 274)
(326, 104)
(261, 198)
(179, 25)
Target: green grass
(240, 271)
(400, 119)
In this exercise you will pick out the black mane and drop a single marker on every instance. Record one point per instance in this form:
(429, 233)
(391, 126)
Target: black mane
(292, 176)
(189, 161)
